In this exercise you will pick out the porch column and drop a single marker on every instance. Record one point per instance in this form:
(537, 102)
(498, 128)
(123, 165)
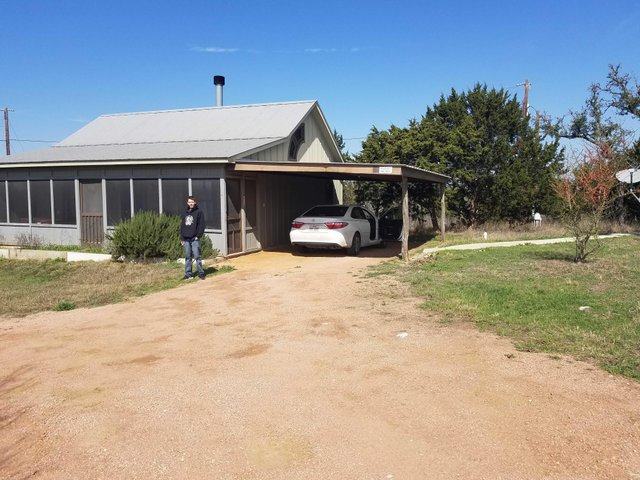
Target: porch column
(442, 210)
(405, 220)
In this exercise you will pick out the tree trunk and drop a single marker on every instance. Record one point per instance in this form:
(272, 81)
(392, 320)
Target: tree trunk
(434, 218)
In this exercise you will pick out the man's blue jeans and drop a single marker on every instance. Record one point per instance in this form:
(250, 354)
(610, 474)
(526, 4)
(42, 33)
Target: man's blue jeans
(192, 249)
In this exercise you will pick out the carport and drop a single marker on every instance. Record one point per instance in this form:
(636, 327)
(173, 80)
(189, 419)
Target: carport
(359, 171)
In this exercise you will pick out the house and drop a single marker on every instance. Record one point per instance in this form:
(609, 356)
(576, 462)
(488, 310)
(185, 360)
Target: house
(75, 191)
(252, 168)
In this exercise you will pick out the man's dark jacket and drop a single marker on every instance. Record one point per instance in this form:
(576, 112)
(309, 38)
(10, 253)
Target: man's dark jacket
(192, 225)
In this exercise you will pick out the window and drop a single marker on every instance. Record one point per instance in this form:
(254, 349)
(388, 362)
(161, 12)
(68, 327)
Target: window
(64, 202)
(118, 201)
(207, 193)
(18, 202)
(3, 201)
(146, 195)
(326, 211)
(297, 139)
(91, 198)
(40, 201)
(357, 213)
(174, 196)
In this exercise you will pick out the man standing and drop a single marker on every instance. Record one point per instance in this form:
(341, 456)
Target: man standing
(191, 231)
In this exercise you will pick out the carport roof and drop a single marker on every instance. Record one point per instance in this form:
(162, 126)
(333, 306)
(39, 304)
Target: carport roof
(344, 171)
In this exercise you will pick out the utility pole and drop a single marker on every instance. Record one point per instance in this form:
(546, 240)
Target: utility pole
(525, 102)
(6, 130)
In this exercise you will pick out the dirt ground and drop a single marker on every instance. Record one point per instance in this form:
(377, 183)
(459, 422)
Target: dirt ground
(298, 367)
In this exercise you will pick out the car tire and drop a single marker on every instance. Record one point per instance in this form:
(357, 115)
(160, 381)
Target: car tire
(356, 243)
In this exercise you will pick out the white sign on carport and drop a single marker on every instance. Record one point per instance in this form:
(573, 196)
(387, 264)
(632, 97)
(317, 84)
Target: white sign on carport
(360, 171)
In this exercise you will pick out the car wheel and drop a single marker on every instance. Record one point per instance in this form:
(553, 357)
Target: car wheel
(355, 244)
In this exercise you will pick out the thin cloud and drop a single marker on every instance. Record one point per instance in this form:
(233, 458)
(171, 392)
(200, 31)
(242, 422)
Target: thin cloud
(333, 50)
(320, 50)
(215, 49)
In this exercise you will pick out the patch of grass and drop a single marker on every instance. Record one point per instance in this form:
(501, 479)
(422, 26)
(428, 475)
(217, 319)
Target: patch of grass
(29, 286)
(533, 294)
(64, 305)
(71, 248)
(498, 232)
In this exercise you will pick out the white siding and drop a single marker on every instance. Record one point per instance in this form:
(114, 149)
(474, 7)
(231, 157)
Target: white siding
(273, 154)
(315, 148)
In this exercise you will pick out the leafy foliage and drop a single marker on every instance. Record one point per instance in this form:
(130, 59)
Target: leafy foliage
(341, 146)
(591, 123)
(500, 167)
(586, 195)
(149, 235)
(624, 91)
(599, 123)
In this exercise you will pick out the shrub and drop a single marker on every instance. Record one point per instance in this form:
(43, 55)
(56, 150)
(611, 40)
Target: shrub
(28, 240)
(151, 236)
(586, 196)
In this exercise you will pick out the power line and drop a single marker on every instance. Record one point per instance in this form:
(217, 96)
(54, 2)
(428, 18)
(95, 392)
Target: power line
(26, 140)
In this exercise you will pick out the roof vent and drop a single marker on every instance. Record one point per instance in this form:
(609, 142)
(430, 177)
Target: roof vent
(218, 81)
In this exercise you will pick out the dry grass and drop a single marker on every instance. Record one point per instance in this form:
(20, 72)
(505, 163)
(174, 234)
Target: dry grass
(502, 232)
(28, 286)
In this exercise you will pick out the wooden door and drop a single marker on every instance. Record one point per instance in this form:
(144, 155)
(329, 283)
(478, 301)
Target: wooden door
(234, 216)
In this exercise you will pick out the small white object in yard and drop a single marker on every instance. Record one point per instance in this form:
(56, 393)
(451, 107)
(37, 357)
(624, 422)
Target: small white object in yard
(485, 235)
(537, 219)
(402, 335)
(584, 308)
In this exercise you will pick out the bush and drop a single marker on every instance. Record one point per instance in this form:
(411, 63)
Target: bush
(28, 240)
(151, 236)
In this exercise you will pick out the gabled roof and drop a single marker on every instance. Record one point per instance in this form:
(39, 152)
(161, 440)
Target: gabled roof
(216, 133)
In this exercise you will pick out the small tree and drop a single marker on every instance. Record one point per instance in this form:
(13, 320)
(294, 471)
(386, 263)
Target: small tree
(586, 194)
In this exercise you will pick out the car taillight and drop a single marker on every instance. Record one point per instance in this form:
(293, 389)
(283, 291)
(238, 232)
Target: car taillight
(296, 224)
(334, 225)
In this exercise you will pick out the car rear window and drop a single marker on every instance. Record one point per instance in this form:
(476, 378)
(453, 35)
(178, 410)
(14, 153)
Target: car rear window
(326, 211)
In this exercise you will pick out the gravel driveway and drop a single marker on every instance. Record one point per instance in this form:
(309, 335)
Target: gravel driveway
(299, 367)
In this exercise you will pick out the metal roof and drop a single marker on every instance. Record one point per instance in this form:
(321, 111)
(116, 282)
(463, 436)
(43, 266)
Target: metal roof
(217, 133)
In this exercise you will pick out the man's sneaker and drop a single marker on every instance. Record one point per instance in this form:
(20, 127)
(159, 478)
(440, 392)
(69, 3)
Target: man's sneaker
(201, 276)
(187, 277)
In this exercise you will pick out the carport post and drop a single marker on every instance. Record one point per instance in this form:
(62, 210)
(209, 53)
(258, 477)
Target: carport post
(405, 219)
(442, 210)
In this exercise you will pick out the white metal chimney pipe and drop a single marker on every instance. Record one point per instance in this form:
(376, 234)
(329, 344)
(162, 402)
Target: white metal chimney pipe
(218, 81)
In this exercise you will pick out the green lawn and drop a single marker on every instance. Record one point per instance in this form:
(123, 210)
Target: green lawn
(533, 294)
(28, 286)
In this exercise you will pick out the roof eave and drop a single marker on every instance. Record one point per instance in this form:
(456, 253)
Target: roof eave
(93, 163)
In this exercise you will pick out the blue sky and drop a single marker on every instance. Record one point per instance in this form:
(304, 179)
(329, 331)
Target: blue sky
(374, 63)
